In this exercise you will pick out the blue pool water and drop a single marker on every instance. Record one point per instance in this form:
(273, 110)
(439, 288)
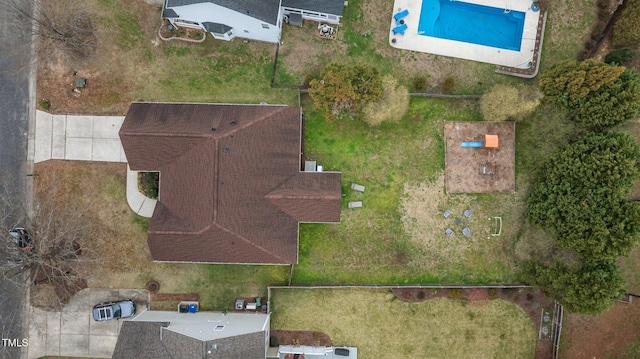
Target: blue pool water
(477, 24)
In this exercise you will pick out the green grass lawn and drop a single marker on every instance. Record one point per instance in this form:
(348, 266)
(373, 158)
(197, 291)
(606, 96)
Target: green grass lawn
(397, 236)
(382, 326)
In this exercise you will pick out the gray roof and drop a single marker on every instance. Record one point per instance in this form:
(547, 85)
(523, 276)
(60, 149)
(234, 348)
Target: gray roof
(217, 28)
(142, 340)
(334, 7)
(264, 10)
(168, 13)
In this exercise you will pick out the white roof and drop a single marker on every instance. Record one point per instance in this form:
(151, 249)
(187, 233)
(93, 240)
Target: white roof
(316, 352)
(208, 325)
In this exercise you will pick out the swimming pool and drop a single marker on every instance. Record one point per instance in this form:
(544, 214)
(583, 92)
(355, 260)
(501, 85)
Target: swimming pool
(472, 23)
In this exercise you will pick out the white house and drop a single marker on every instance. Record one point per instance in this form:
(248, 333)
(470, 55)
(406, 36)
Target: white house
(259, 20)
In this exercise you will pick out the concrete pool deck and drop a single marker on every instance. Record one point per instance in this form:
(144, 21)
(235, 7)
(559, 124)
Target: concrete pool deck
(411, 40)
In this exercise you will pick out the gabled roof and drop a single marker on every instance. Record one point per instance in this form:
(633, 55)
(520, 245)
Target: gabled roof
(231, 190)
(334, 7)
(264, 10)
(169, 335)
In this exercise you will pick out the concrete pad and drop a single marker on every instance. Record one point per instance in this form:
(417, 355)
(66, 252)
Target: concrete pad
(53, 333)
(137, 295)
(37, 333)
(104, 295)
(44, 123)
(106, 149)
(138, 202)
(78, 149)
(74, 345)
(108, 327)
(58, 136)
(74, 322)
(81, 302)
(80, 126)
(123, 156)
(147, 208)
(107, 126)
(102, 346)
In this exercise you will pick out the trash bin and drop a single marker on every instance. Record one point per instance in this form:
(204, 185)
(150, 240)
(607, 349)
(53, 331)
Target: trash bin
(258, 302)
(193, 308)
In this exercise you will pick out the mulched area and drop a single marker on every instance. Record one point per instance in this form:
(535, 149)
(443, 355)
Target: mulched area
(479, 170)
(299, 337)
(530, 300)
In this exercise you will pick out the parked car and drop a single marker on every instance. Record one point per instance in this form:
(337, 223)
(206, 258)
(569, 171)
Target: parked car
(21, 238)
(114, 310)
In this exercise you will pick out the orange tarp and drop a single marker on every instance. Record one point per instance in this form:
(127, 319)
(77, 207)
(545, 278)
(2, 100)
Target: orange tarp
(491, 141)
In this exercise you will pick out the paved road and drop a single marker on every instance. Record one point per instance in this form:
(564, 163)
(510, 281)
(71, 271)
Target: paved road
(14, 115)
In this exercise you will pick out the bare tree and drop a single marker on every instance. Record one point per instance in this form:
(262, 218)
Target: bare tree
(50, 246)
(61, 27)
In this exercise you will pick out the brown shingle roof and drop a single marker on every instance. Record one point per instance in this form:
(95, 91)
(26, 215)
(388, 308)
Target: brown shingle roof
(231, 190)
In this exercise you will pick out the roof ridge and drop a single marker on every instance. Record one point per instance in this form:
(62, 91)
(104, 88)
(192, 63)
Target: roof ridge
(266, 116)
(225, 229)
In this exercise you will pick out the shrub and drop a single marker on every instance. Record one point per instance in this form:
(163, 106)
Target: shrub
(493, 293)
(622, 56)
(603, 15)
(626, 31)
(419, 83)
(148, 183)
(343, 89)
(603, 4)
(45, 105)
(448, 84)
(598, 31)
(421, 295)
(393, 104)
(589, 44)
(273, 341)
(583, 54)
(307, 80)
(504, 102)
(454, 293)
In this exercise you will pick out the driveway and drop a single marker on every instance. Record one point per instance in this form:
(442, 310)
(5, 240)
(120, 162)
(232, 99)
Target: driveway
(73, 332)
(85, 138)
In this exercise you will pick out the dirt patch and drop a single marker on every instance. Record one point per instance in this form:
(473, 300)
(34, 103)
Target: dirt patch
(599, 336)
(479, 170)
(423, 206)
(300, 337)
(302, 52)
(530, 300)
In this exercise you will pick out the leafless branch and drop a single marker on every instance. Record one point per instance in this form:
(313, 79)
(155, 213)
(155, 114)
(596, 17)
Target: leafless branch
(57, 231)
(61, 28)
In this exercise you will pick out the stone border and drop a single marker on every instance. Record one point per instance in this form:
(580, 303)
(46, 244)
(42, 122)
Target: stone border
(537, 52)
(204, 37)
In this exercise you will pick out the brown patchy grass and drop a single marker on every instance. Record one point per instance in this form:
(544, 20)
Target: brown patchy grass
(422, 208)
(381, 326)
(132, 63)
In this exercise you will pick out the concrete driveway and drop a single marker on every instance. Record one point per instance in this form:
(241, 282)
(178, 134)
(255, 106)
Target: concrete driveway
(85, 138)
(73, 332)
